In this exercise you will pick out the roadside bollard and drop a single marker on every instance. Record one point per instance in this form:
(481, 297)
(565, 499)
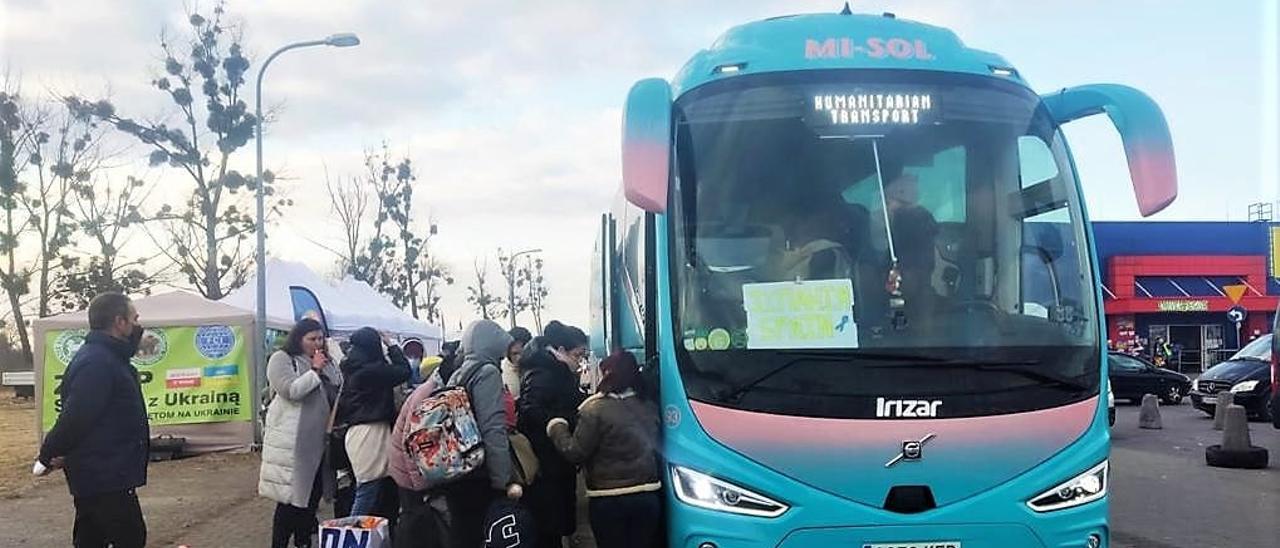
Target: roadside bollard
(1225, 400)
(1149, 416)
(1236, 450)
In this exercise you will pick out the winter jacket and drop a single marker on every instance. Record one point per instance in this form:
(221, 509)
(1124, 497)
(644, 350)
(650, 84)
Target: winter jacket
(484, 343)
(616, 438)
(293, 443)
(548, 389)
(369, 393)
(102, 433)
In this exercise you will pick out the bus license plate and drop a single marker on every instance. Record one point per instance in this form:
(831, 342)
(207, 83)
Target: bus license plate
(934, 544)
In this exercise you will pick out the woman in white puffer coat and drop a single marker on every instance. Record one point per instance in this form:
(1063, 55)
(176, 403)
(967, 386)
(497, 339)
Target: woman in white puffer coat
(295, 471)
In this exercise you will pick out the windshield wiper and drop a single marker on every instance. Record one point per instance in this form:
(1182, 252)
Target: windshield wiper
(1027, 368)
(797, 356)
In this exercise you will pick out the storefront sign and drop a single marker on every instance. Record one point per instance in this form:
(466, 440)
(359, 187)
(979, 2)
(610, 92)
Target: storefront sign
(1184, 306)
(188, 374)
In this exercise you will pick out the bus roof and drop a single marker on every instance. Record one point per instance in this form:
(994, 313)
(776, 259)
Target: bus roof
(837, 41)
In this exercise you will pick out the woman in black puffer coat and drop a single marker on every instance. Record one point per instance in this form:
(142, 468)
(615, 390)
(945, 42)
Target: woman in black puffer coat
(367, 407)
(549, 389)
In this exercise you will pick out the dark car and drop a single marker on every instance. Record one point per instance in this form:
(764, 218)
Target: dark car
(1247, 376)
(1132, 378)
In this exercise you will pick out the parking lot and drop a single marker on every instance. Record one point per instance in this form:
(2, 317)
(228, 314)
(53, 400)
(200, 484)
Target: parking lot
(1164, 496)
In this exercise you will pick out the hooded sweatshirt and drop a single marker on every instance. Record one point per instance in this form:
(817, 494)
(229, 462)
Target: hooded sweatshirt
(371, 379)
(485, 343)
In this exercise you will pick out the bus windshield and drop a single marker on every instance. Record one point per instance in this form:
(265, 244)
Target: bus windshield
(889, 223)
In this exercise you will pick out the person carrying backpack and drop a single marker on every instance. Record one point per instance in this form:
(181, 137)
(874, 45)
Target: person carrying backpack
(617, 439)
(484, 343)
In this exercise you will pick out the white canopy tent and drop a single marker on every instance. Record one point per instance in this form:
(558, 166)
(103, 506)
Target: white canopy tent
(348, 307)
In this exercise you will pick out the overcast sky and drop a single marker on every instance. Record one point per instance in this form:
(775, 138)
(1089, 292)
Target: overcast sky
(511, 110)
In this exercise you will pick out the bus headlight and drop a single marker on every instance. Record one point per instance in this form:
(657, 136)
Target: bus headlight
(1246, 386)
(1082, 489)
(698, 489)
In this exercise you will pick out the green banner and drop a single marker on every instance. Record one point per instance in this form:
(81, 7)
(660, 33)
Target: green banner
(189, 375)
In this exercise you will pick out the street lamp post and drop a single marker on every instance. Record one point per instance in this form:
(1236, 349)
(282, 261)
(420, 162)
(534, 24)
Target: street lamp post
(341, 40)
(511, 285)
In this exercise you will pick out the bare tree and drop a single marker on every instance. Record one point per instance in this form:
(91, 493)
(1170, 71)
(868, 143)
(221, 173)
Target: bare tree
(19, 128)
(394, 259)
(108, 212)
(516, 301)
(62, 161)
(209, 232)
(438, 275)
(484, 300)
(535, 286)
(349, 200)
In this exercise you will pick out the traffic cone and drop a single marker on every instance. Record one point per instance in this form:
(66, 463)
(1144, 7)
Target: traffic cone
(1236, 450)
(1225, 400)
(1149, 416)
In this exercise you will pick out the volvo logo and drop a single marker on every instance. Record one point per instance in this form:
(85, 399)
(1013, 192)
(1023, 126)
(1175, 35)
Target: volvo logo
(912, 450)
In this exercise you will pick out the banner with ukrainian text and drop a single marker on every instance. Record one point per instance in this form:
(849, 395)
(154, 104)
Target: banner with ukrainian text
(189, 375)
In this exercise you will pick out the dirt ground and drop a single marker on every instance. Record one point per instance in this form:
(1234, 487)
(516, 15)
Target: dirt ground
(203, 502)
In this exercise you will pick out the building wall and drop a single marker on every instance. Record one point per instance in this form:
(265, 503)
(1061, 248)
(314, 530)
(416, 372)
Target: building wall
(1212, 253)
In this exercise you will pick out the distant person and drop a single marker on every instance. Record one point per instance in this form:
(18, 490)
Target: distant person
(101, 436)
(617, 439)
(414, 353)
(549, 389)
(468, 499)
(294, 472)
(511, 362)
(367, 408)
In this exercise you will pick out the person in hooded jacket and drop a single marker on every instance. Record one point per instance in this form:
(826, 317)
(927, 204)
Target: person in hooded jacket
(617, 439)
(468, 499)
(549, 389)
(367, 408)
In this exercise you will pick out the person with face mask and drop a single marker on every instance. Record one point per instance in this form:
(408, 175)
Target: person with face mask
(101, 436)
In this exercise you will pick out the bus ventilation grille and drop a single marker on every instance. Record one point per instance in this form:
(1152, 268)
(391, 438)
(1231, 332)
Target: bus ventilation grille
(910, 499)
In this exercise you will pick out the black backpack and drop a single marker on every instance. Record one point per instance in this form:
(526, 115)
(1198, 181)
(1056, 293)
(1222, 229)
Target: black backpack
(508, 524)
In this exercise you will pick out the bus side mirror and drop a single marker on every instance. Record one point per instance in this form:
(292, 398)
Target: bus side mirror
(1142, 128)
(646, 144)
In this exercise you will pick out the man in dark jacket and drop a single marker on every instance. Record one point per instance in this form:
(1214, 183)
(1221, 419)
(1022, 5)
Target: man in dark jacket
(101, 437)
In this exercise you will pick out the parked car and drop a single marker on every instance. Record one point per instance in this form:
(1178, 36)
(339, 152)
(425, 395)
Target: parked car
(1133, 377)
(1246, 375)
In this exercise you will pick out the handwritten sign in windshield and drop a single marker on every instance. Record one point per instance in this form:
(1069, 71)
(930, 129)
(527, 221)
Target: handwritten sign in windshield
(807, 314)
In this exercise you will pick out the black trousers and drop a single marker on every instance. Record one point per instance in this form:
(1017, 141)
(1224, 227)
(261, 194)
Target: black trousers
(468, 500)
(109, 520)
(299, 524)
(626, 521)
(418, 526)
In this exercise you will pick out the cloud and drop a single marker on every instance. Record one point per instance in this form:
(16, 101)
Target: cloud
(511, 110)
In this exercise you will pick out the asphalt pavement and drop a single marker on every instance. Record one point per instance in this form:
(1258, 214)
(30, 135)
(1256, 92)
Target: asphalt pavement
(1163, 495)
